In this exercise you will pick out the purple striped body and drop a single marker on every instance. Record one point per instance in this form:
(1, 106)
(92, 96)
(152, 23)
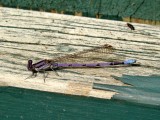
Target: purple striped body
(65, 65)
(46, 64)
(103, 64)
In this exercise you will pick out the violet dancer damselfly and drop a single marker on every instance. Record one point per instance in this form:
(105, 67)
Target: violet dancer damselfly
(91, 58)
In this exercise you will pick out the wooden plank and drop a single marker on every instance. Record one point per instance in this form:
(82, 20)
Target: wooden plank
(35, 35)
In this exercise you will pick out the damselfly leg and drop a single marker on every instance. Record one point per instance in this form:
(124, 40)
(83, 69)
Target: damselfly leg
(45, 75)
(33, 75)
(55, 70)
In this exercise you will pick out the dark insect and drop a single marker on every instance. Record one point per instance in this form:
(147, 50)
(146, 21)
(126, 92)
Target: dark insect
(130, 26)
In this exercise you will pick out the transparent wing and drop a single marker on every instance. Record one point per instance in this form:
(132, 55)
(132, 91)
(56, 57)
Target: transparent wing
(103, 53)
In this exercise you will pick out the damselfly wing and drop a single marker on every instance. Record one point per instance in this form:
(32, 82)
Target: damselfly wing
(105, 53)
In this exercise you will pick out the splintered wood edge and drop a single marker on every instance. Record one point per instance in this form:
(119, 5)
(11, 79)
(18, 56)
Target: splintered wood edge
(55, 86)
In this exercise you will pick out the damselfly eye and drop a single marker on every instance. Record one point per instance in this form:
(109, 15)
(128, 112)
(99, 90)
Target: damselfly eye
(29, 66)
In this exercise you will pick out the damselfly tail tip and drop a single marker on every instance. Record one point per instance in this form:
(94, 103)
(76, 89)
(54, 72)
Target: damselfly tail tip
(129, 61)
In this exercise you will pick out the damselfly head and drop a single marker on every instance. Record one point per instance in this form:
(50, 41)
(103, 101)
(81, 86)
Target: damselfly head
(29, 65)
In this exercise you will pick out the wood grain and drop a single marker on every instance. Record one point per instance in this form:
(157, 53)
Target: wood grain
(35, 35)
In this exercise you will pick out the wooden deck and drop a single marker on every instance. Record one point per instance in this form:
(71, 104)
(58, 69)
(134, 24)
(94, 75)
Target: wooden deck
(35, 35)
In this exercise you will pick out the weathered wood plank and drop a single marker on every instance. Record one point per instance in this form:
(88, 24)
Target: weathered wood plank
(37, 35)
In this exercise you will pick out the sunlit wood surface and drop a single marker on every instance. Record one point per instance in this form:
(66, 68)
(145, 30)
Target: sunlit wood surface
(35, 35)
